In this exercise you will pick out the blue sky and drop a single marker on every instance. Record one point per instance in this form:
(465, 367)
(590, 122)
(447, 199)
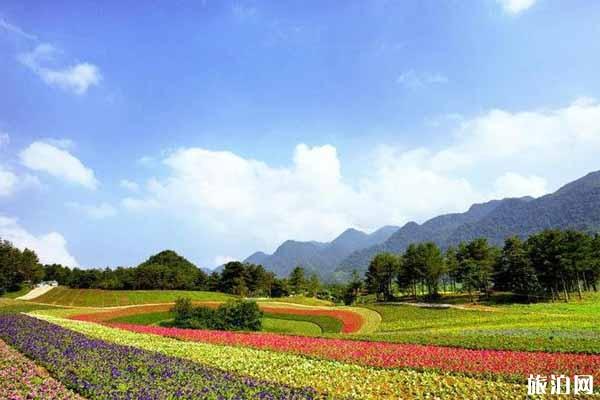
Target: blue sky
(217, 128)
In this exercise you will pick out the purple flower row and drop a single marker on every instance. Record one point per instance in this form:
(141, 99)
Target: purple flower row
(97, 369)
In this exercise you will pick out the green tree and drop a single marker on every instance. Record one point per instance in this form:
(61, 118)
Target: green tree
(297, 281)
(233, 278)
(381, 273)
(313, 285)
(545, 253)
(353, 288)
(475, 269)
(433, 266)
(514, 271)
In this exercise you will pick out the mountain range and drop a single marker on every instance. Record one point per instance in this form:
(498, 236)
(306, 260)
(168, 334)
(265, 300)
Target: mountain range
(319, 257)
(575, 206)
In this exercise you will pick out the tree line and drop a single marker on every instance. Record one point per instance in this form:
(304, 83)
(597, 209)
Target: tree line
(17, 266)
(166, 270)
(551, 264)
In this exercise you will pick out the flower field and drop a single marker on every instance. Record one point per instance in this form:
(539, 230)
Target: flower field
(22, 379)
(551, 327)
(328, 377)
(391, 355)
(98, 353)
(99, 369)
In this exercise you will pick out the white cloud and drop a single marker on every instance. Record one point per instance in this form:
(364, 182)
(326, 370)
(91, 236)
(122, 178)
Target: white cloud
(4, 139)
(220, 260)
(100, 211)
(244, 12)
(514, 185)
(50, 247)
(66, 144)
(40, 156)
(145, 161)
(515, 7)
(308, 200)
(75, 78)
(129, 185)
(134, 204)
(527, 138)
(413, 80)
(4, 24)
(311, 199)
(8, 182)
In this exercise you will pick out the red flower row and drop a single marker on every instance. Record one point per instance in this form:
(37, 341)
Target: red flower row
(394, 355)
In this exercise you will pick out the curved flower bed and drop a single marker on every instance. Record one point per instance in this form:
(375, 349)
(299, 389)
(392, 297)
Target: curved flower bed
(332, 377)
(380, 354)
(101, 370)
(22, 379)
(351, 321)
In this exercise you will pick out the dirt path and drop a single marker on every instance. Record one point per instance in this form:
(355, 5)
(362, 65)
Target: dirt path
(474, 307)
(37, 292)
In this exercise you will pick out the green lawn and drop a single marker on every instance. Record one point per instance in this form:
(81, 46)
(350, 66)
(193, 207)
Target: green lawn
(297, 327)
(572, 327)
(9, 306)
(303, 325)
(326, 324)
(146, 318)
(13, 295)
(301, 300)
(111, 298)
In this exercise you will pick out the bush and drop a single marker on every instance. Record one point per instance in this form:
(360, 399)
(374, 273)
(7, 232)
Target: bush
(235, 315)
(240, 315)
(183, 308)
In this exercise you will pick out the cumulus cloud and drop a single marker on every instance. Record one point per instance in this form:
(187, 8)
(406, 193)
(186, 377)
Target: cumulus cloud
(50, 247)
(307, 200)
(511, 184)
(100, 211)
(41, 156)
(529, 138)
(75, 78)
(516, 6)
(310, 199)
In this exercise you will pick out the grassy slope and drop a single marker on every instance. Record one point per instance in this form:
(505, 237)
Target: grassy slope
(573, 327)
(112, 298)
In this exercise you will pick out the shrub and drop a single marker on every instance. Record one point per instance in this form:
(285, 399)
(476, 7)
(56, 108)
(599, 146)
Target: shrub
(235, 315)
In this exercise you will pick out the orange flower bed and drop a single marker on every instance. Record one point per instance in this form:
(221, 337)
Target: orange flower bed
(351, 321)
(124, 312)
